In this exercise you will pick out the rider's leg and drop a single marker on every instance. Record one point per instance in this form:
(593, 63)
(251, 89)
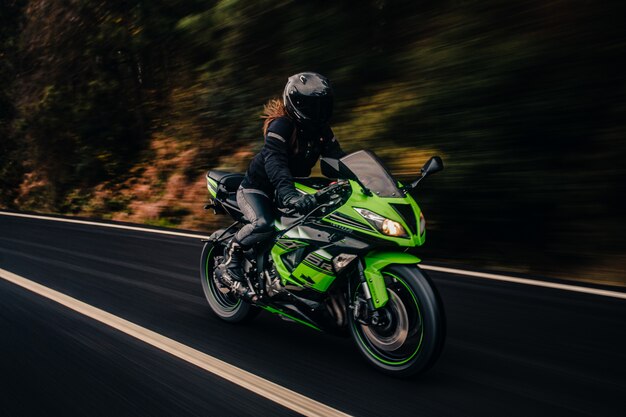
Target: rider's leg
(258, 209)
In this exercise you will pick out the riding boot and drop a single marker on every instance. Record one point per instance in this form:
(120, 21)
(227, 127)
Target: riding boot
(234, 262)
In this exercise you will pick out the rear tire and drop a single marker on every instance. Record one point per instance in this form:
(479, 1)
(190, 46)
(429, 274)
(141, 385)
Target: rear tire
(414, 339)
(225, 306)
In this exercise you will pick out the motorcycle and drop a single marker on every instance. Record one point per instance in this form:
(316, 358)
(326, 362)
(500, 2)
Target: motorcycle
(342, 267)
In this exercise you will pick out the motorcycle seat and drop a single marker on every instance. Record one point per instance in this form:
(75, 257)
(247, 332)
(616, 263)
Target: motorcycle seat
(230, 181)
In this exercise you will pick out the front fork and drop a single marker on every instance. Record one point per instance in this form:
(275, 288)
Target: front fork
(362, 308)
(372, 281)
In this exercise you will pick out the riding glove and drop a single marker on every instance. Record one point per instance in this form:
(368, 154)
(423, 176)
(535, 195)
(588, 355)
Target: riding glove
(302, 203)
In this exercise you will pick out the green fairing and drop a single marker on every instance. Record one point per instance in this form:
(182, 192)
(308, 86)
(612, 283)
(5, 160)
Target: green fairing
(305, 274)
(283, 272)
(375, 261)
(305, 188)
(313, 277)
(380, 206)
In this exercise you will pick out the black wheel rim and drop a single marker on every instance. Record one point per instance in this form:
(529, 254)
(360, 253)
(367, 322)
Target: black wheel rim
(399, 341)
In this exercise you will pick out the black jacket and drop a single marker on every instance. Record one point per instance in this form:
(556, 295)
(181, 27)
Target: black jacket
(279, 161)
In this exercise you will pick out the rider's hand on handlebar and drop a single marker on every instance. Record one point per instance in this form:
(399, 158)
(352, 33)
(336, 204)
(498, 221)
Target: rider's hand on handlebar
(302, 203)
(321, 196)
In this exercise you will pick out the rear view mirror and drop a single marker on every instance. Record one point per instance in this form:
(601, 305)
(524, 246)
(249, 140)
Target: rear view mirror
(330, 167)
(434, 164)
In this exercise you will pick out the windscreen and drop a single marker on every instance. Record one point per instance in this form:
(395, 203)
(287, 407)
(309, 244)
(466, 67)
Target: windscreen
(372, 174)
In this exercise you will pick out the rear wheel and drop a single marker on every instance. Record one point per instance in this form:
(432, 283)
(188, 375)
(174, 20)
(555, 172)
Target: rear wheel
(409, 336)
(224, 305)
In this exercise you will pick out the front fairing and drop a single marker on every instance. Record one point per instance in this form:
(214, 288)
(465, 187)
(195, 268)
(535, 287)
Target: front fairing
(346, 217)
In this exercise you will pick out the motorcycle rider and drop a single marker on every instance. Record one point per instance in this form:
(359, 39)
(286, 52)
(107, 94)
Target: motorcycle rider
(296, 134)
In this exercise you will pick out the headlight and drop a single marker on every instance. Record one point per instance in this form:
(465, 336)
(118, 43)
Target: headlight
(422, 224)
(392, 228)
(385, 226)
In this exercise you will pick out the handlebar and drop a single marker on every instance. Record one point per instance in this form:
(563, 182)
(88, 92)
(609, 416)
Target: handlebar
(330, 194)
(333, 191)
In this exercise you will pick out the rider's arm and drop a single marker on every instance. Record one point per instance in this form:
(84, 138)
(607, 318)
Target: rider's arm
(331, 148)
(276, 158)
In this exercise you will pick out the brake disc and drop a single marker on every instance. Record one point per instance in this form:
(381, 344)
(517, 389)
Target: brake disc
(395, 339)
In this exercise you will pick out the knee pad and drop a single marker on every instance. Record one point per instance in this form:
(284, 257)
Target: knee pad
(263, 226)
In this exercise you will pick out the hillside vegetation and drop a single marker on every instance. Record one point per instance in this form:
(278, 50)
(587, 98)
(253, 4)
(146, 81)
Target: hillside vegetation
(116, 110)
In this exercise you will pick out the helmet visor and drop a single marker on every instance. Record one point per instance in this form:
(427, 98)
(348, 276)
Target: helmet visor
(316, 108)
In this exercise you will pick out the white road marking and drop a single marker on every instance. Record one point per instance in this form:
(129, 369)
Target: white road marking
(114, 226)
(505, 278)
(274, 392)
(526, 281)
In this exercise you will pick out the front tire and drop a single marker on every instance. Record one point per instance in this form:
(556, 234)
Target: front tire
(412, 339)
(227, 307)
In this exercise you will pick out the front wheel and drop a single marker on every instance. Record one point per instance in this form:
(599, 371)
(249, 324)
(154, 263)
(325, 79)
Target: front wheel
(410, 337)
(227, 306)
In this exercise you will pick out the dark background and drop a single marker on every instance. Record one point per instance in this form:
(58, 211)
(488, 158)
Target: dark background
(523, 99)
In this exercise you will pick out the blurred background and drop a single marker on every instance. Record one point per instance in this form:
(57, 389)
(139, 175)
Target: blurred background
(116, 110)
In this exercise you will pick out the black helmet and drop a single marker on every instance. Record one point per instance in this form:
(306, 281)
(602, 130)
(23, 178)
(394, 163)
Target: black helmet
(308, 98)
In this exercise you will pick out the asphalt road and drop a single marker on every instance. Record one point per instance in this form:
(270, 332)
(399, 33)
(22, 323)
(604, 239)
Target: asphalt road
(511, 350)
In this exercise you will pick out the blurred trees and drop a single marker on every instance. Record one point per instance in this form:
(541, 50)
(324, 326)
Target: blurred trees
(10, 156)
(80, 92)
(524, 99)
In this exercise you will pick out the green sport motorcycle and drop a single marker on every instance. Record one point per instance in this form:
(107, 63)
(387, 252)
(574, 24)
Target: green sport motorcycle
(342, 267)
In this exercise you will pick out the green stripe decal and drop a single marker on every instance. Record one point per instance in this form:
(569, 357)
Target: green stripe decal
(297, 320)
